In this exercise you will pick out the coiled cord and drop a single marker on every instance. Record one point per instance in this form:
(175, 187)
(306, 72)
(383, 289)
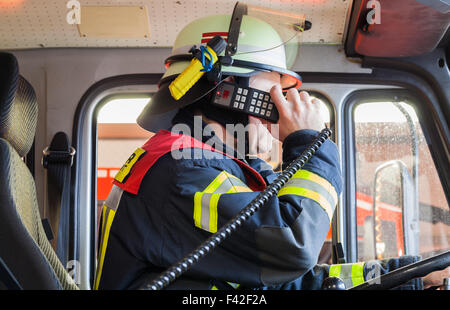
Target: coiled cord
(167, 277)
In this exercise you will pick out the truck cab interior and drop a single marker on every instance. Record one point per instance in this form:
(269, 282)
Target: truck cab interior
(74, 75)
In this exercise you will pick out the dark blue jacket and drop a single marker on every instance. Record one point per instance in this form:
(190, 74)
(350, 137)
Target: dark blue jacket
(181, 202)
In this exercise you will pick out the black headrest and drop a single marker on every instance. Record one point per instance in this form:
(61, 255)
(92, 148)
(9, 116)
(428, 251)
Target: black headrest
(18, 106)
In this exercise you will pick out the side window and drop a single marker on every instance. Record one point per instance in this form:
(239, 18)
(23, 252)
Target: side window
(401, 206)
(118, 137)
(327, 113)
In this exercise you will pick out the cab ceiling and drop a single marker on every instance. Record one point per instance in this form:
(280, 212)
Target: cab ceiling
(26, 24)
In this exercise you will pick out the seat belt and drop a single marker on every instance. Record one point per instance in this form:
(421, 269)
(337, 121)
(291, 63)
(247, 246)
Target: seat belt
(58, 159)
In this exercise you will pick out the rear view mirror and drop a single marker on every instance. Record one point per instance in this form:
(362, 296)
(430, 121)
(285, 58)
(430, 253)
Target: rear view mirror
(395, 213)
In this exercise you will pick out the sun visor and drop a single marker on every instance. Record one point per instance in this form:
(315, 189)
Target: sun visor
(156, 122)
(419, 30)
(278, 48)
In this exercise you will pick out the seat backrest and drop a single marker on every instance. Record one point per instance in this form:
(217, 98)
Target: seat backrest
(23, 243)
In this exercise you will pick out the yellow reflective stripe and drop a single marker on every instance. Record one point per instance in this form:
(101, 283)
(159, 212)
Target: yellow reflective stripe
(108, 220)
(216, 182)
(231, 284)
(335, 271)
(209, 222)
(206, 202)
(300, 191)
(198, 209)
(358, 273)
(308, 184)
(352, 274)
(232, 177)
(239, 189)
(213, 213)
(234, 285)
(308, 175)
(103, 218)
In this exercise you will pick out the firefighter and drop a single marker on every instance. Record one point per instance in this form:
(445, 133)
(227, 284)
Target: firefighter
(192, 176)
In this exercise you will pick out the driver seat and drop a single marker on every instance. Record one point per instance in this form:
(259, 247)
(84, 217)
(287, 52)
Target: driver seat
(24, 247)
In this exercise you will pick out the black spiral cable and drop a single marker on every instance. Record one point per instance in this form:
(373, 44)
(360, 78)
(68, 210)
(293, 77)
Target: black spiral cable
(167, 277)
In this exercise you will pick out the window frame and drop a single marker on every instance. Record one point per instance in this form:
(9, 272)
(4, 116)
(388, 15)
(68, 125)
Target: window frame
(84, 140)
(332, 108)
(428, 122)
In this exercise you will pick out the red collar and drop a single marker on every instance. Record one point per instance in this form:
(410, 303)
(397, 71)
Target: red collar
(166, 141)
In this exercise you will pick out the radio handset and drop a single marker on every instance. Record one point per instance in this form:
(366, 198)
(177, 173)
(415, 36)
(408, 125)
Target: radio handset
(245, 99)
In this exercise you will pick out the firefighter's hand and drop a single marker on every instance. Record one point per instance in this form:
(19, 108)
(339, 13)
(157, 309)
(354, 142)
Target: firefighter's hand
(296, 112)
(436, 278)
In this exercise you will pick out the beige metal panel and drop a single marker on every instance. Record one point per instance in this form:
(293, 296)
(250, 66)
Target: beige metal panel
(114, 22)
(44, 23)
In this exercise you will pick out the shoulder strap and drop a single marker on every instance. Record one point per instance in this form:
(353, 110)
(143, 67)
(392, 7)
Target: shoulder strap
(58, 161)
(133, 171)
